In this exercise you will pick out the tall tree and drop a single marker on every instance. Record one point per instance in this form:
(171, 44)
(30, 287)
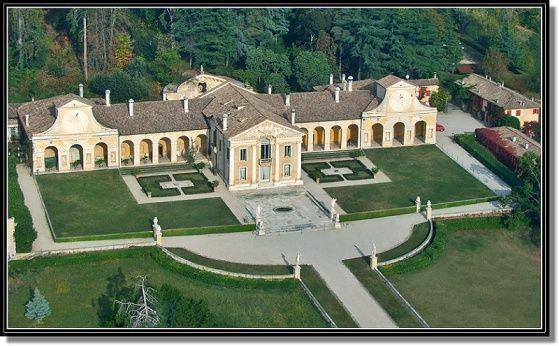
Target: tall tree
(27, 37)
(310, 69)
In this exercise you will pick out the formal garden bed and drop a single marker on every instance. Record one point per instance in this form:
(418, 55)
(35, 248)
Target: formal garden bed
(492, 272)
(423, 171)
(151, 186)
(99, 203)
(358, 169)
(201, 183)
(81, 289)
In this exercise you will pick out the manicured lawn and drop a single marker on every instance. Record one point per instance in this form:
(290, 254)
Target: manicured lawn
(201, 184)
(374, 284)
(418, 236)
(422, 171)
(151, 184)
(98, 202)
(74, 287)
(485, 278)
(231, 266)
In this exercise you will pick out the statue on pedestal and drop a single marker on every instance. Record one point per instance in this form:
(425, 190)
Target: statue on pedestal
(417, 204)
(374, 259)
(332, 208)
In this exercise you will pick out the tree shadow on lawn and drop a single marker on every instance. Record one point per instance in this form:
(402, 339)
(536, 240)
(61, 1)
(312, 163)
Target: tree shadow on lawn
(117, 288)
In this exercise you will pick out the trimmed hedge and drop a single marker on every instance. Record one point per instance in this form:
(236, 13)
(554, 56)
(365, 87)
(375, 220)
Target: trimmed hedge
(364, 215)
(166, 233)
(419, 234)
(473, 223)
(463, 202)
(24, 234)
(483, 155)
(425, 258)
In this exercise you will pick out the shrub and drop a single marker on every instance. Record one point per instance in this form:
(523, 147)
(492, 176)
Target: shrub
(439, 100)
(374, 170)
(509, 121)
(215, 183)
(177, 311)
(38, 307)
(100, 162)
(200, 166)
(24, 234)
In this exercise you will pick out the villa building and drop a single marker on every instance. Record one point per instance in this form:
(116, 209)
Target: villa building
(252, 140)
(490, 100)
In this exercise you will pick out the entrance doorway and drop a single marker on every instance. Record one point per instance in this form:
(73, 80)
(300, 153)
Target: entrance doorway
(265, 173)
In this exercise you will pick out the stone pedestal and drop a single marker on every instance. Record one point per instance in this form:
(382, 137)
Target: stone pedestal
(297, 272)
(417, 204)
(337, 223)
(429, 210)
(260, 228)
(374, 262)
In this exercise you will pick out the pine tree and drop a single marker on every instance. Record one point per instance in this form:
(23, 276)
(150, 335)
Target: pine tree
(38, 307)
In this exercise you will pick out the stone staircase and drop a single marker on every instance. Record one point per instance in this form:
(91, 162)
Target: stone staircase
(156, 168)
(319, 155)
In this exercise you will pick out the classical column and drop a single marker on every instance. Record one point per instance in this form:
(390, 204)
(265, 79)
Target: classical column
(155, 151)
(254, 164)
(327, 139)
(310, 140)
(277, 162)
(299, 161)
(343, 144)
(174, 150)
(136, 150)
(231, 166)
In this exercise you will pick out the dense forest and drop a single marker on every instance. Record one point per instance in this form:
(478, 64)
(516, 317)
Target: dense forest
(135, 52)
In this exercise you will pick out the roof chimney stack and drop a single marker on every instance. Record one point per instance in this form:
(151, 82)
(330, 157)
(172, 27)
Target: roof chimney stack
(164, 96)
(185, 104)
(343, 78)
(131, 108)
(293, 116)
(27, 120)
(407, 77)
(435, 75)
(526, 145)
(80, 87)
(350, 86)
(32, 98)
(201, 69)
(287, 100)
(225, 116)
(502, 83)
(269, 89)
(337, 95)
(331, 79)
(107, 98)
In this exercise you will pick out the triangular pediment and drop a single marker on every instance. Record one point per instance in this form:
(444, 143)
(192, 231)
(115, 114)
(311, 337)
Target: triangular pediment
(268, 129)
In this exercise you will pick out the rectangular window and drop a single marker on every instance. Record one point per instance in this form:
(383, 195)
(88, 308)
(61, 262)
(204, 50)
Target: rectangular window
(227, 153)
(508, 112)
(265, 151)
(287, 151)
(518, 112)
(287, 170)
(535, 111)
(243, 173)
(427, 92)
(243, 154)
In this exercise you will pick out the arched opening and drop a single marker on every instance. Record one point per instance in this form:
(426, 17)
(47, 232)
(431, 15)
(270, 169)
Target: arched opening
(420, 131)
(76, 157)
(183, 145)
(352, 136)
(164, 150)
(335, 137)
(318, 138)
(377, 134)
(399, 130)
(146, 151)
(51, 159)
(127, 153)
(305, 144)
(201, 144)
(100, 153)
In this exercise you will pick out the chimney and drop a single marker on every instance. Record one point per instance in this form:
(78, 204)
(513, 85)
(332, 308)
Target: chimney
(107, 98)
(287, 100)
(201, 69)
(350, 87)
(502, 83)
(407, 77)
(513, 139)
(526, 145)
(532, 98)
(343, 78)
(27, 120)
(344, 85)
(80, 87)
(164, 96)
(337, 95)
(331, 79)
(269, 89)
(225, 116)
(131, 107)
(293, 116)
(185, 104)
(32, 99)
(435, 75)
(489, 77)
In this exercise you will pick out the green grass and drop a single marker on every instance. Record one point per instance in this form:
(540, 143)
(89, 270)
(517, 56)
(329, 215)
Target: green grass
(231, 266)
(151, 184)
(419, 234)
(482, 154)
(422, 171)
(74, 284)
(201, 184)
(327, 299)
(98, 202)
(485, 278)
(24, 234)
(374, 284)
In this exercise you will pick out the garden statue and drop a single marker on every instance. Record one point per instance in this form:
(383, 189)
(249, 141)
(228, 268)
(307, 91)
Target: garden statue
(417, 204)
(337, 224)
(258, 211)
(429, 210)
(155, 221)
(332, 208)
(374, 259)
(297, 268)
